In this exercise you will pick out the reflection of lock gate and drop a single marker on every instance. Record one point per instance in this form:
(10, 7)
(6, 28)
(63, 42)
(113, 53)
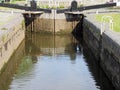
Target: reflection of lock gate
(105, 25)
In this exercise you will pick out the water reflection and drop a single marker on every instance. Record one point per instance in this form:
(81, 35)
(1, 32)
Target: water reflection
(99, 76)
(11, 67)
(47, 62)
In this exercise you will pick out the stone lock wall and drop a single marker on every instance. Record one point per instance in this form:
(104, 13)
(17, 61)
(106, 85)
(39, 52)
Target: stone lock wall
(91, 36)
(105, 47)
(11, 39)
(110, 56)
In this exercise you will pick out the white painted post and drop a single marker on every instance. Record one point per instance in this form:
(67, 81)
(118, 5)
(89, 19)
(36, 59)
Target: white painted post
(111, 24)
(11, 11)
(103, 21)
(97, 12)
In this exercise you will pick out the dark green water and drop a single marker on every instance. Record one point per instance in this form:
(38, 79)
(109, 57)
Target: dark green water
(46, 62)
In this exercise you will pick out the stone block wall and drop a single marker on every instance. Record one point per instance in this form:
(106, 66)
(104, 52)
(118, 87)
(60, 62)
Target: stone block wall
(91, 36)
(105, 47)
(11, 39)
(110, 56)
(11, 67)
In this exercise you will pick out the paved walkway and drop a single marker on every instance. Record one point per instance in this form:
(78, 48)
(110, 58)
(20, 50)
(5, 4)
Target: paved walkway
(7, 20)
(5, 17)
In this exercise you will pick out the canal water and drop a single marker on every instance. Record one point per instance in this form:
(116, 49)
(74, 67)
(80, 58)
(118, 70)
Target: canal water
(47, 62)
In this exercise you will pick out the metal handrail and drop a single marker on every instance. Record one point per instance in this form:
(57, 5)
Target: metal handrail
(110, 18)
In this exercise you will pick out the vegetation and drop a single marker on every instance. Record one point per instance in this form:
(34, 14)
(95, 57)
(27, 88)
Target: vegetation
(21, 2)
(25, 66)
(0, 1)
(4, 38)
(44, 6)
(116, 20)
(81, 5)
(23, 24)
(62, 6)
(52, 7)
(4, 28)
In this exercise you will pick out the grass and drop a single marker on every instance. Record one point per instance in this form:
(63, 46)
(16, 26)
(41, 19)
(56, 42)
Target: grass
(44, 6)
(51, 7)
(116, 20)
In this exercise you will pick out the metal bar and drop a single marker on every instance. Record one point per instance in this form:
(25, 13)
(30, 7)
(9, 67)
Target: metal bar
(14, 6)
(44, 10)
(96, 6)
(58, 10)
(62, 10)
(23, 7)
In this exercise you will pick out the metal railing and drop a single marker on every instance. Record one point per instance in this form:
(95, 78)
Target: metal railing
(106, 25)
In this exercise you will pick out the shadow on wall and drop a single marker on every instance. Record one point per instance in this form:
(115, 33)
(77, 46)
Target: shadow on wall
(10, 68)
(94, 67)
(77, 24)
